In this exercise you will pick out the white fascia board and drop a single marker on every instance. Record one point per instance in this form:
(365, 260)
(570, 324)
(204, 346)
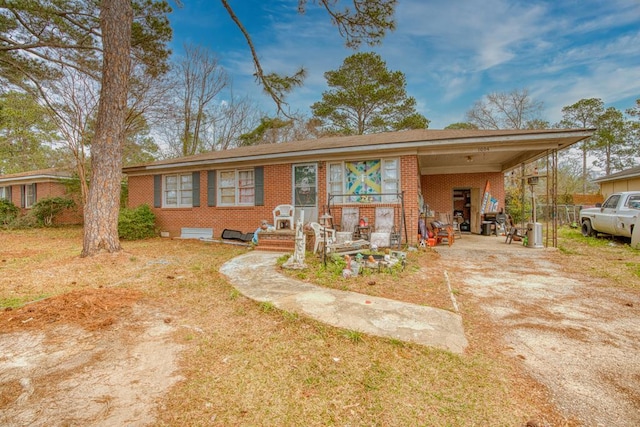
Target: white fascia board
(31, 178)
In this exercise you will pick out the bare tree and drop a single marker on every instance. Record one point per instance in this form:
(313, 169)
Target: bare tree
(200, 79)
(73, 107)
(229, 120)
(506, 110)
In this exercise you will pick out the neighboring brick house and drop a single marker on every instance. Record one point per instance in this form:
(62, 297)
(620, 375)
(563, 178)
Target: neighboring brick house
(400, 171)
(24, 189)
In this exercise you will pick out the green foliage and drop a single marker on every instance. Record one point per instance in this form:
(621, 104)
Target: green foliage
(136, 224)
(8, 211)
(368, 22)
(267, 306)
(612, 142)
(41, 36)
(353, 335)
(124, 194)
(25, 221)
(26, 134)
(515, 206)
(462, 125)
(615, 140)
(366, 97)
(260, 134)
(45, 210)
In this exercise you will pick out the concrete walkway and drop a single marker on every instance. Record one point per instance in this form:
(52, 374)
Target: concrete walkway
(254, 274)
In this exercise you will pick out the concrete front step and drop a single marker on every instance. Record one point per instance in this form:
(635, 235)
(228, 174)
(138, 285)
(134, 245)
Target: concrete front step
(281, 241)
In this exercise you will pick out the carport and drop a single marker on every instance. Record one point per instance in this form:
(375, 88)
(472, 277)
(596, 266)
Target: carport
(461, 166)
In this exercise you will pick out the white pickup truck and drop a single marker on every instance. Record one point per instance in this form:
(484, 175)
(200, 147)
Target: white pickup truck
(616, 216)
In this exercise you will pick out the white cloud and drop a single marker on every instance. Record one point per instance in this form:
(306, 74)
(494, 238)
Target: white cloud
(454, 52)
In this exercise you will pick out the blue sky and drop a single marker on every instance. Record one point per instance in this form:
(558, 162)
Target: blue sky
(452, 52)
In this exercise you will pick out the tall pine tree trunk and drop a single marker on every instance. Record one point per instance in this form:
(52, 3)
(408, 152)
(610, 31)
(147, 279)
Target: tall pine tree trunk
(103, 202)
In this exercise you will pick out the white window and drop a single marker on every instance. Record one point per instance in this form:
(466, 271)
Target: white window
(336, 183)
(236, 187)
(365, 181)
(29, 195)
(177, 191)
(390, 180)
(4, 193)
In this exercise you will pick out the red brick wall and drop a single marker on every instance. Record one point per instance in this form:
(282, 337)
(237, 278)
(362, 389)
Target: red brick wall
(277, 190)
(45, 190)
(437, 190)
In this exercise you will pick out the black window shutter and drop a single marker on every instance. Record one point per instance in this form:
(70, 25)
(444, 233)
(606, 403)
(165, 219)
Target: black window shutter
(23, 195)
(9, 194)
(157, 191)
(195, 188)
(258, 176)
(35, 194)
(211, 188)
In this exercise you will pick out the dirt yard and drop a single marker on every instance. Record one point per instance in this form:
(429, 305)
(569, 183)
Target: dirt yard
(98, 348)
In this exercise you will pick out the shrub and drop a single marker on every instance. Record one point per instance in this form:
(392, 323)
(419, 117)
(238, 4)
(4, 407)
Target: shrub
(46, 210)
(138, 223)
(28, 220)
(8, 211)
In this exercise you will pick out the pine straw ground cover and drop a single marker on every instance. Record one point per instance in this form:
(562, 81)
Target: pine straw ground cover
(246, 363)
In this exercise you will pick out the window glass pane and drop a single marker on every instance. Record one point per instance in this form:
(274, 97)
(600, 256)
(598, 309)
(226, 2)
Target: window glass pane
(227, 179)
(185, 182)
(171, 182)
(228, 196)
(245, 179)
(186, 198)
(31, 196)
(336, 186)
(171, 197)
(335, 172)
(390, 169)
(390, 184)
(246, 195)
(304, 177)
(634, 202)
(612, 202)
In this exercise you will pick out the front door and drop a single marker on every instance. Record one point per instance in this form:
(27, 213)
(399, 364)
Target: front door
(305, 195)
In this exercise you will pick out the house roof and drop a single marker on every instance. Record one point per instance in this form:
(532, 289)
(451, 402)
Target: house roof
(40, 175)
(625, 174)
(439, 151)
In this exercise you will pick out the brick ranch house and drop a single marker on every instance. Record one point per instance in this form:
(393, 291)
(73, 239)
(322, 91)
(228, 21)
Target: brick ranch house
(349, 177)
(24, 189)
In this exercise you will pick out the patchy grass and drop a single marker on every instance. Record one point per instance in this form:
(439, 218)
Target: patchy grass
(250, 364)
(415, 281)
(600, 257)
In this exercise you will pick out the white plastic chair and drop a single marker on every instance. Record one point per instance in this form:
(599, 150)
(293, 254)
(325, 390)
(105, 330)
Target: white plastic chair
(320, 232)
(283, 214)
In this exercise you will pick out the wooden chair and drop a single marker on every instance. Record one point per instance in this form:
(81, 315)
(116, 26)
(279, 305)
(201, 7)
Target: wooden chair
(443, 231)
(514, 234)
